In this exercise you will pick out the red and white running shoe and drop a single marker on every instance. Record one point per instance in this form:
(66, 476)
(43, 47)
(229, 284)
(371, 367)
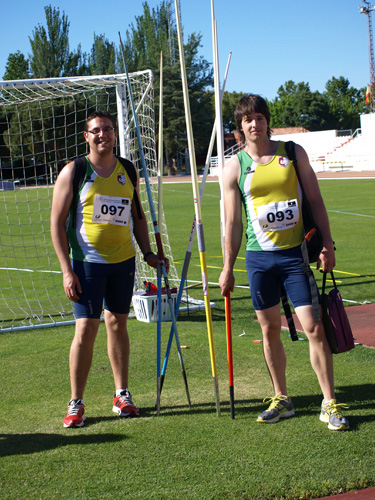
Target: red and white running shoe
(124, 406)
(76, 414)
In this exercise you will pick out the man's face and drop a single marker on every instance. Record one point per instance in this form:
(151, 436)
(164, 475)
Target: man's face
(100, 135)
(254, 126)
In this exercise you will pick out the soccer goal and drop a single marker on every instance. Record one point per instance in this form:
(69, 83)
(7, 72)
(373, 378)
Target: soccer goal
(41, 129)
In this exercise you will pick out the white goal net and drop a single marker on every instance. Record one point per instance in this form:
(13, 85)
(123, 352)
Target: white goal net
(41, 129)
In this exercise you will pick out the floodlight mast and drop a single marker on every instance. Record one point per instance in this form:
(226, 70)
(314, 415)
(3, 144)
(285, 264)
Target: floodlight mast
(366, 9)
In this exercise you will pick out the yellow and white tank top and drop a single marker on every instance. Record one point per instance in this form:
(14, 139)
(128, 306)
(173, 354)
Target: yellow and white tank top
(272, 200)
(103, 224)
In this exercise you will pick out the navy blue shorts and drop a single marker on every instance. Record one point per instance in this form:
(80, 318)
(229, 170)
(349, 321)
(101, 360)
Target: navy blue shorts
(112, 283)
(268, 270)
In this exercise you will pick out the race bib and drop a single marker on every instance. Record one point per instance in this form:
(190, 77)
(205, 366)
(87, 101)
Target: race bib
(278, 216)
(111, 210)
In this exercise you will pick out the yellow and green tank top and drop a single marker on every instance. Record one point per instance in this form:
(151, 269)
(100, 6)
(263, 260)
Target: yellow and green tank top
(102, 232)
(272, 200)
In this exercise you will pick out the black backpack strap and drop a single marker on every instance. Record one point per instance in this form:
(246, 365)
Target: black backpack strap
(290, 149)
(80, 168)
(130, 170)
(307, 218)
(288, 315)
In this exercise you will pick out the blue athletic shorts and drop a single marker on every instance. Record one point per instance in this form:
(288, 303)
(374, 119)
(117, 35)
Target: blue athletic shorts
(112, 283)
(266, 272)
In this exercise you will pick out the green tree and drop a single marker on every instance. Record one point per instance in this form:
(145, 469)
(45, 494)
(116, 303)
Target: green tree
(152, 33)
(230, 100)
(102, 60)
(338, 107)
(17, 67)
(345, 103)
(296, 106)
(51, 56)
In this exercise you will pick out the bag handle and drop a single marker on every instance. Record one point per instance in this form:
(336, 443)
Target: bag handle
(324, 280)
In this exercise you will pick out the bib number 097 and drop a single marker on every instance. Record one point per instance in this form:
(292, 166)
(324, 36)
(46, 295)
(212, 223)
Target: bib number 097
(111, 210)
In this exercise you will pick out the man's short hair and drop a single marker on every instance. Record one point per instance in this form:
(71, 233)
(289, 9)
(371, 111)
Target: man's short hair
(251, 103)
(99, 114)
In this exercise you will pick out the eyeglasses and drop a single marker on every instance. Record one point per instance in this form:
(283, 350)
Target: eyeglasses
(105, 130)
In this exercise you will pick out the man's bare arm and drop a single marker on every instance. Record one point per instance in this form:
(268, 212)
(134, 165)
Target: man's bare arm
(233, 223)
(140, 230)
(61, 201)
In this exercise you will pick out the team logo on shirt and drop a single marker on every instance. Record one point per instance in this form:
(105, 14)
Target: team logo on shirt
(121, 179)
(283, 161)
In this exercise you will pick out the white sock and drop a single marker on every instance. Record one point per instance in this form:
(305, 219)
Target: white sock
(119, 391)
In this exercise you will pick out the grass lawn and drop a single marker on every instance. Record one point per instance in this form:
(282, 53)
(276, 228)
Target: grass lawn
(192, 453)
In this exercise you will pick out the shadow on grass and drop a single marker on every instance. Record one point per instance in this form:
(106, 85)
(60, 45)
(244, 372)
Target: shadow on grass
(356, 397)
(246, 407)
(23, 444)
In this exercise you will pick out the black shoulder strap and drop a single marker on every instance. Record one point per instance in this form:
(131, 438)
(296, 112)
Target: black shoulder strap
(80, 167)
(290, 149)
(130, 170)
(288, 314)
(308, 220)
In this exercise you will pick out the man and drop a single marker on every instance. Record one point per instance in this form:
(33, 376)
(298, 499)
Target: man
(262, 177)
(102, 260)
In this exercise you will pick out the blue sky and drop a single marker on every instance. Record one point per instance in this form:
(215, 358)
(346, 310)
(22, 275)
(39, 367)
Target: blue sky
(271, 41)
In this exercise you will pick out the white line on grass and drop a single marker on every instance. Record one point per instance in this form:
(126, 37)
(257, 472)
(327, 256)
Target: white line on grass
(29, 270)
(349, 213)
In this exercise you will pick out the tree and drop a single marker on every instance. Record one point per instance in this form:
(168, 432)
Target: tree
(51, 56)
(230, 100)
(296, 106)
(345, 103)
(155, 32)
(102, 60)
(337, 108)
(17, 67)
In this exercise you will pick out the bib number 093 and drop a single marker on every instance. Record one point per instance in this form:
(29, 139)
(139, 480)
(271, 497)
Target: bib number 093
(278, 216)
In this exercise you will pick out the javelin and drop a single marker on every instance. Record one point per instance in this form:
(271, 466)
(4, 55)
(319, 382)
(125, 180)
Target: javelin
(192, 232)
(160, 206)
(201, 244)
(154, 221)
(220, 156)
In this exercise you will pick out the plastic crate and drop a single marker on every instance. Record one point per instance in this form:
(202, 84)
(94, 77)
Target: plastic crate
(145, 305)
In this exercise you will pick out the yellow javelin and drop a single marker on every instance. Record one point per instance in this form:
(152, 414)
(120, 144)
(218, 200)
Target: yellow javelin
(198, 215)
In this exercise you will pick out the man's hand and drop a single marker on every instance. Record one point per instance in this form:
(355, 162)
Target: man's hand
(327, 259)
(153, 261)
(72, 286)
(226, 282)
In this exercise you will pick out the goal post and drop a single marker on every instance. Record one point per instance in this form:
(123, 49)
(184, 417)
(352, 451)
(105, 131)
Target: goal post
(41, 130)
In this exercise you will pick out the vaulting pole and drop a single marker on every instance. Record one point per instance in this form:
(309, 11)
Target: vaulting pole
(192, 232)
(200, 233)
(155, 224)
(220, 155)
(160, 152)
(160, 216)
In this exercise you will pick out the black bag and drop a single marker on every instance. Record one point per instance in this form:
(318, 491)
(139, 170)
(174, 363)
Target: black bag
(336, 323)
(313, 238)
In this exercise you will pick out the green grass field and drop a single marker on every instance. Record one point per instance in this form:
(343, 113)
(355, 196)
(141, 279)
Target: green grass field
(191, 453)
